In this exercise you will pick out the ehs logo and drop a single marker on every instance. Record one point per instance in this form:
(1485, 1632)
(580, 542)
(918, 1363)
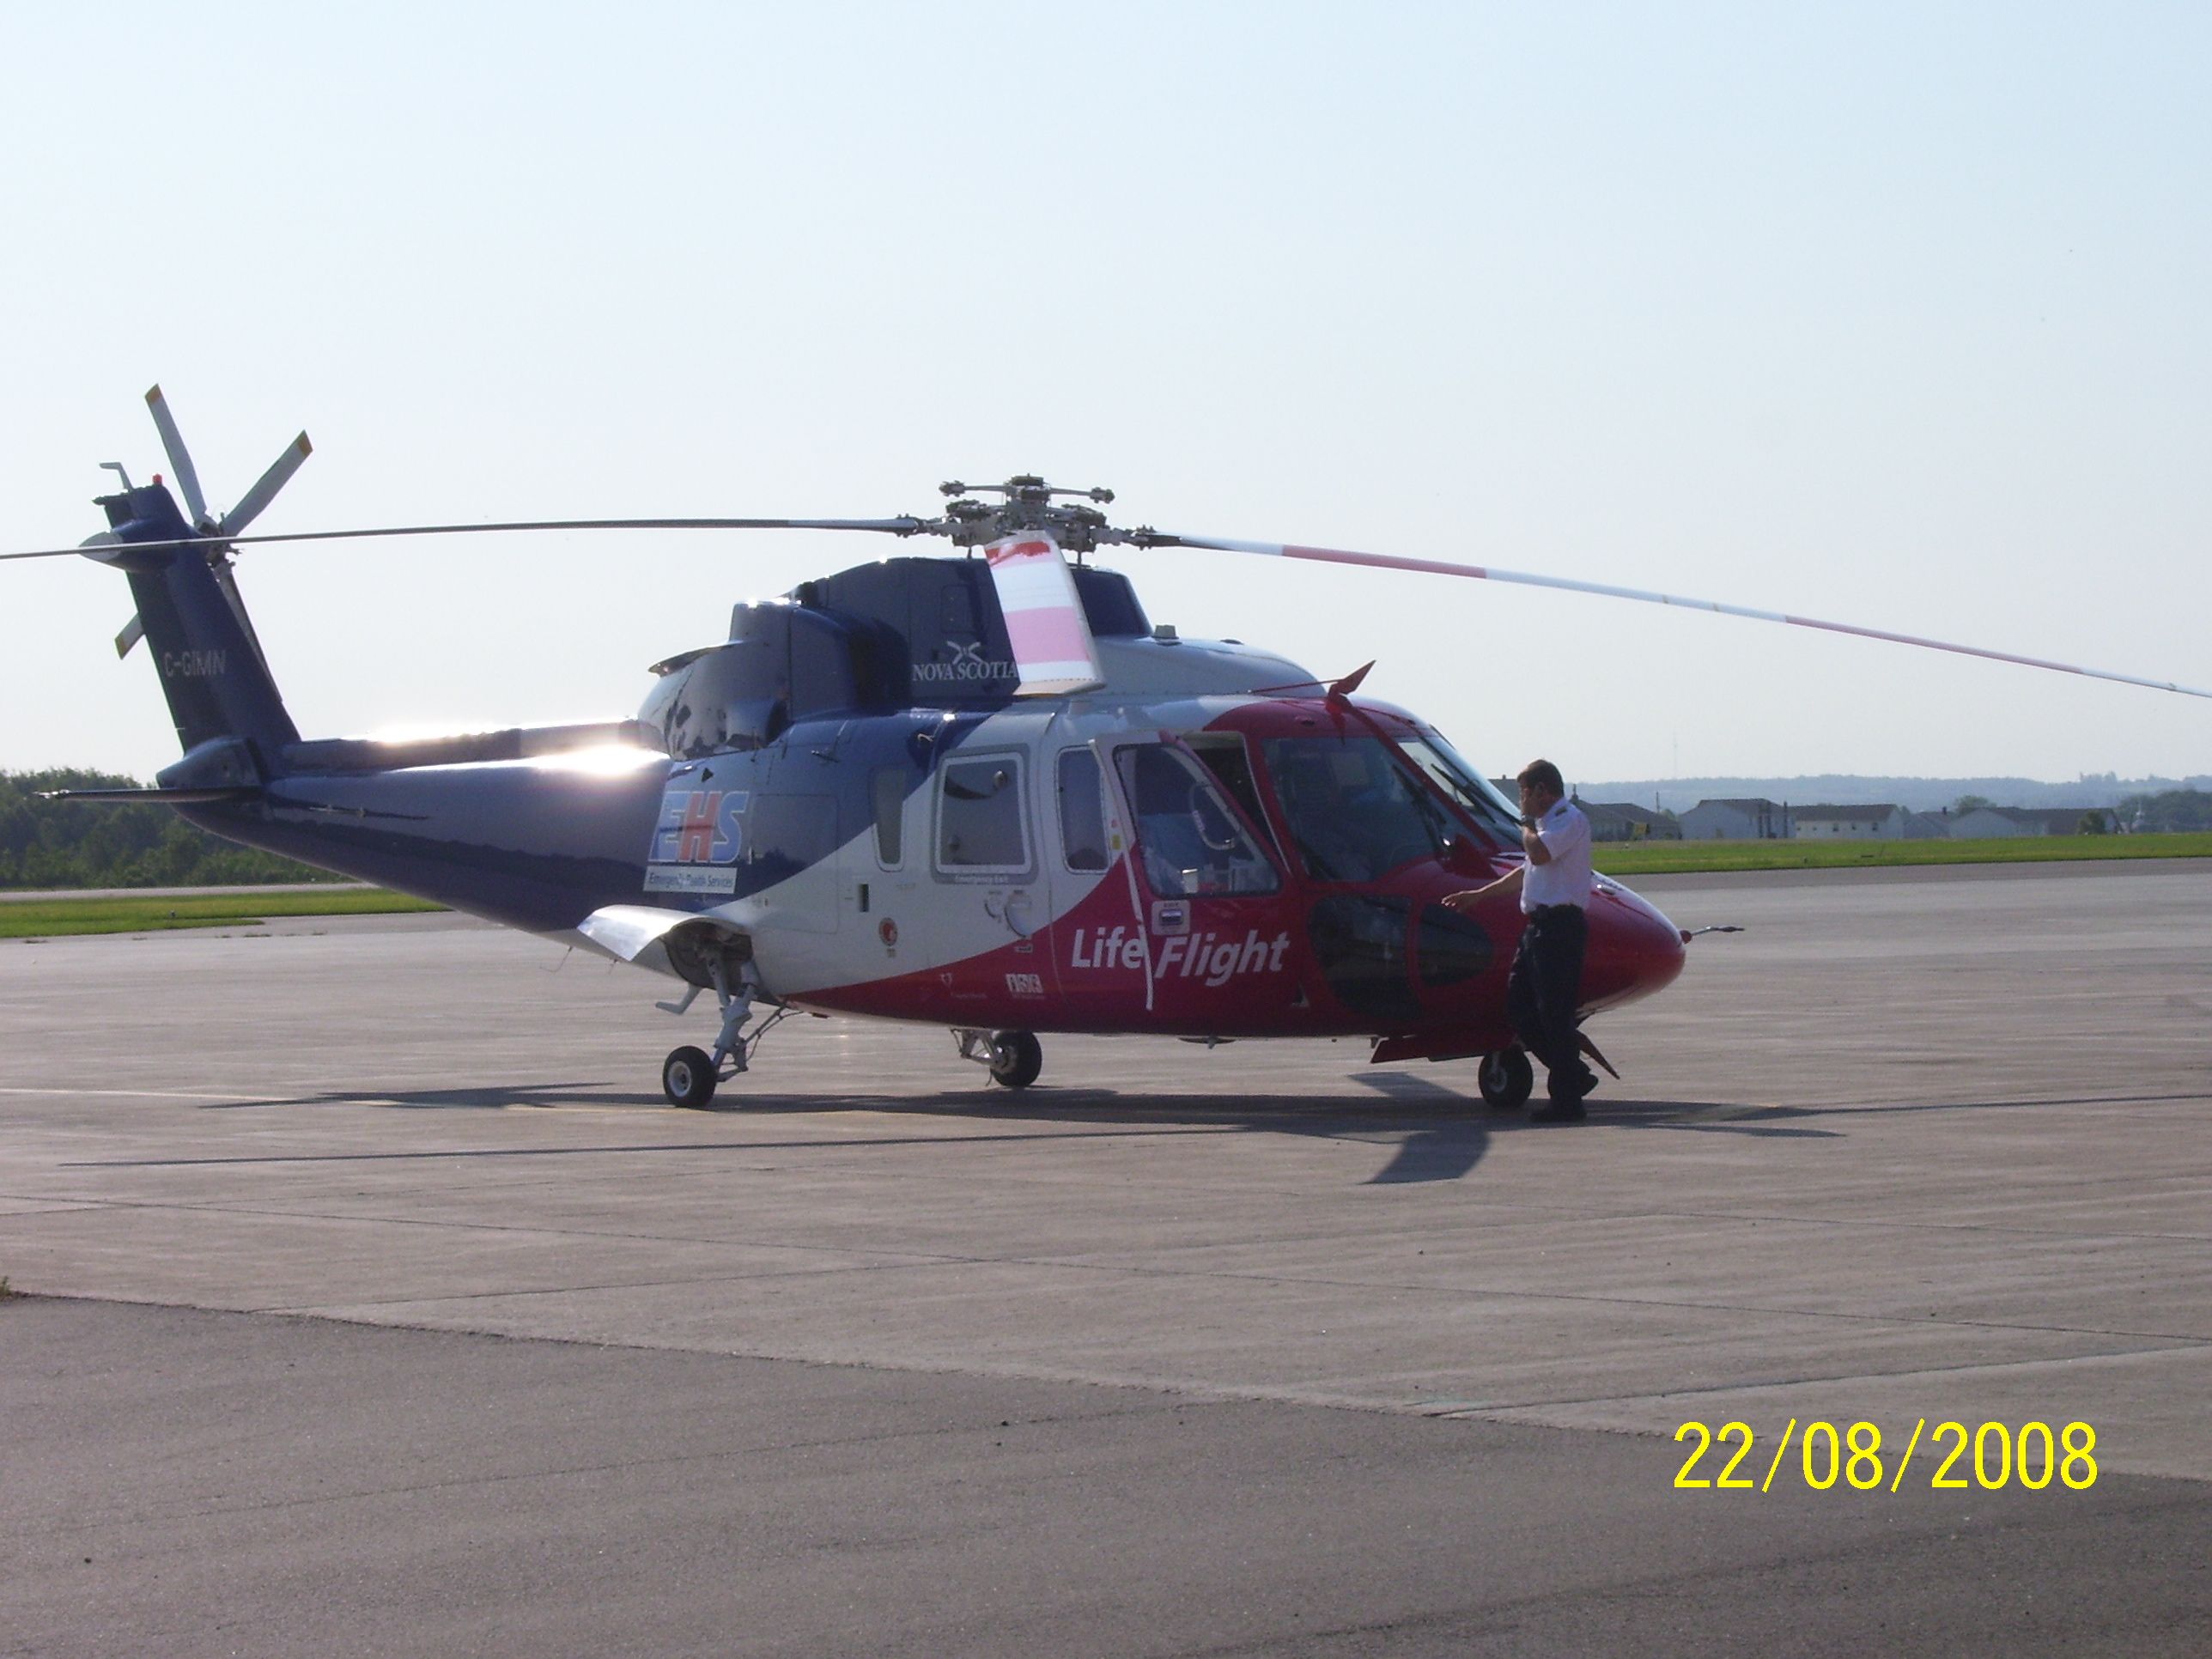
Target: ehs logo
(699, 826)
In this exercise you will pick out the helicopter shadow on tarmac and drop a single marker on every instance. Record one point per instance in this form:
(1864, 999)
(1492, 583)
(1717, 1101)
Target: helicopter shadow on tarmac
(1452, 1148)
(1432, 1132)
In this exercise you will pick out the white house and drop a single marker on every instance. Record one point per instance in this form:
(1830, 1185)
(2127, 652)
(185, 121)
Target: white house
(1989, 823)
(1754, 819)
(1620, 820)
(1874, 821)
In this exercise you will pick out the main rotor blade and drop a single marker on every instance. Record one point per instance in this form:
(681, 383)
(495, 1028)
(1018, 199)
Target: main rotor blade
(906, 527)
(1484, 573)
(180, 458)
(265, 487)
(220, 568)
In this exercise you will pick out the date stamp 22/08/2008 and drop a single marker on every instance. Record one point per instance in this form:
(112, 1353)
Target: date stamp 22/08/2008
(1991, 1456)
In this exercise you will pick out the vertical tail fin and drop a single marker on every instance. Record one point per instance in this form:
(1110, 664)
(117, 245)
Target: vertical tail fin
(202, 645)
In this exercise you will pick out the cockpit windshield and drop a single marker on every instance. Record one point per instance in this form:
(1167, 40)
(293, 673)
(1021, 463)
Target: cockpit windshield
(1464, 784)
(1353, 812)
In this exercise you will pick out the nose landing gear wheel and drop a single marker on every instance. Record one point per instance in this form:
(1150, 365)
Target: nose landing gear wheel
(1017, 1057)
(687, 1078)
(1506, 1078)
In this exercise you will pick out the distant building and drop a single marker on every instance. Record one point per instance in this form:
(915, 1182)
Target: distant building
(1871, 821)
(1619, 820)
(1754, 819)
(1990, 823)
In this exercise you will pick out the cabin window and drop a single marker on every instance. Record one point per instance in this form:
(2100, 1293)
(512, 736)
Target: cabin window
(980, 829)
(1082, 811)
(1190, 837)
(887, 795)
(1450, 947)
(1359, 942)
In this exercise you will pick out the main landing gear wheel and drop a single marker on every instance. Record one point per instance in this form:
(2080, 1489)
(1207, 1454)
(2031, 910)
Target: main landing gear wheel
(1506, 1078)
(1017, 1057)
(687, 1078)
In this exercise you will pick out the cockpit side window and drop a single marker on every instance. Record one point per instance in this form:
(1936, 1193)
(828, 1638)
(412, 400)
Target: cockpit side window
(1224, 756)
(1190, 838)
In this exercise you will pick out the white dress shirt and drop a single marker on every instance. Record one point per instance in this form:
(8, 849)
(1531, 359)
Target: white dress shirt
(1565, 834)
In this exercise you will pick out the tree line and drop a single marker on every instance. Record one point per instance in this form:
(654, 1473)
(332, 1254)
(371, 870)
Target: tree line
(52, 843)
(47, 843)
(2169, 811)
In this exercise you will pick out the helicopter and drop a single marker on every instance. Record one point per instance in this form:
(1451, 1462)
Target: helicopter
(981, 791)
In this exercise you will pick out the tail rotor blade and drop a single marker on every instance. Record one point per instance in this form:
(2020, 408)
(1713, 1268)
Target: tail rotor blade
(133, 631)
(265, 487)
(1484, 573)
(180, 458)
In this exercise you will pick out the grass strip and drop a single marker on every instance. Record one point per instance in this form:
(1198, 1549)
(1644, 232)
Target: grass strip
(1654, 858)
(56, 918)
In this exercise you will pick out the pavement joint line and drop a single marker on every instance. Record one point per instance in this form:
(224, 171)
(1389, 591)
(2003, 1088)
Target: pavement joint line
(919, 1260)
(931, 1261)
(523, 1293)
(890, 1258)
(679, 1147)
(1186, 1390)
(571, 1471)
(1839, 1106)
(1193, 1390)
(1887, 1223)
(72, 1092)
(1472, 1292)
(1939, 1372)
(1664, 1591)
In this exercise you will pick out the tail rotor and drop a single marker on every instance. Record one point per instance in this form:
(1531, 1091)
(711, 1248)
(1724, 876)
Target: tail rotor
(249, 507)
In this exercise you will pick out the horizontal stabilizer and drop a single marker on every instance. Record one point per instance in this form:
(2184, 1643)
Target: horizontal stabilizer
(461, 748)
(704, 950)
(625, 930)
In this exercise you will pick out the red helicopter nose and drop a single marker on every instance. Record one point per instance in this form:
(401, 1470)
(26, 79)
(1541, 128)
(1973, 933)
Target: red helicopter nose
(1634, 951)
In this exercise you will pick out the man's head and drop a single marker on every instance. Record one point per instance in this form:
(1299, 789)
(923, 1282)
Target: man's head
(1541, 788)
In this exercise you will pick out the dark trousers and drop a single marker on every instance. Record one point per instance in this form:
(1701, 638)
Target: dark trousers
(1541, 991)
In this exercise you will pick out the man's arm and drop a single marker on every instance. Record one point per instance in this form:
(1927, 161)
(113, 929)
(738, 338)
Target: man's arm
(1506, 886)
(1531, 842)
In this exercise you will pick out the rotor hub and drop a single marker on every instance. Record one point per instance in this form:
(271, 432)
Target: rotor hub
(1027, 503)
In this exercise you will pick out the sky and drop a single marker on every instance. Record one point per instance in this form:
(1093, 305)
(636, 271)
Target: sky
(1893, 315)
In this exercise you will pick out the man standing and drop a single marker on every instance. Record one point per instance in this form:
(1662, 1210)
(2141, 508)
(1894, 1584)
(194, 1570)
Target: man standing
(1544, 984)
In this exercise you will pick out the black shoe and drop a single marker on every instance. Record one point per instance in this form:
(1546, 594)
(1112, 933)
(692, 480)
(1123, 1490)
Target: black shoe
(1559, 1111)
